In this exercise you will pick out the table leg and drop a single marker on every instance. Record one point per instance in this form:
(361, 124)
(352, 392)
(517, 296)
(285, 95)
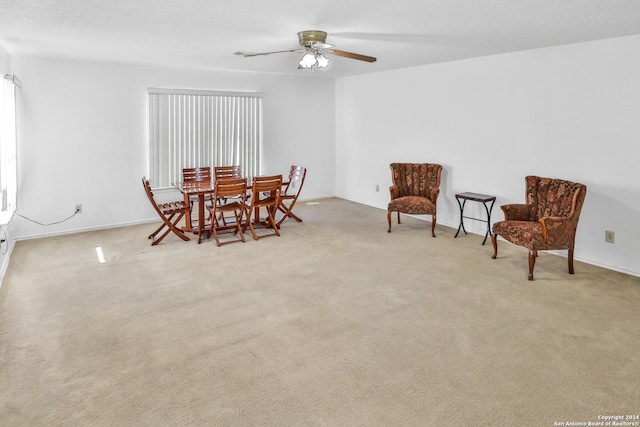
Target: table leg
(188, 226)
(488, 233)
(201, 227)
(461, 205)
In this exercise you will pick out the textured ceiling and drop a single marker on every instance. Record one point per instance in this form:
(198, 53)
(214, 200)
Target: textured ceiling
(205, 33)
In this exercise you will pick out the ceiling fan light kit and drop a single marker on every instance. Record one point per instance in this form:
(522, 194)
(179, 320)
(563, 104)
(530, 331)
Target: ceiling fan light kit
(310, 60)
(316, 51)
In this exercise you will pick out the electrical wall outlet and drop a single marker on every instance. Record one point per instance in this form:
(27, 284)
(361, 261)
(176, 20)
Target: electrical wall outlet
(78, 208)
(377, 188)
(610, 236)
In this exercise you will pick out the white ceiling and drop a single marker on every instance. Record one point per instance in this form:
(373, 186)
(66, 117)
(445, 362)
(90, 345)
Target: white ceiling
(401, 33)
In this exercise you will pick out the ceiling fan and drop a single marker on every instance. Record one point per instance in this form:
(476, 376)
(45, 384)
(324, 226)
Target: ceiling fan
(316, 51)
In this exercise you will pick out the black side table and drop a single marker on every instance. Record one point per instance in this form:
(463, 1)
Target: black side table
(475, 197)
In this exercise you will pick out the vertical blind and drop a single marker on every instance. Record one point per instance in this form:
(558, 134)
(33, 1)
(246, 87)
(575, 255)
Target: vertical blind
(202, 128)
(8, 147)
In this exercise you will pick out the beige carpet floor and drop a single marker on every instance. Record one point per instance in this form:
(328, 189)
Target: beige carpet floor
(335, 323)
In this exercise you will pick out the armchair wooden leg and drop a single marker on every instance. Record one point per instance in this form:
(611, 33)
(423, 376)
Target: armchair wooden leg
(494, 242)
(433, 226)
(389, 220)
(532, 262)
(570, 258)
(398, 217)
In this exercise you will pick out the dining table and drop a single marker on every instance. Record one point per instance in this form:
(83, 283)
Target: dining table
(199, 189)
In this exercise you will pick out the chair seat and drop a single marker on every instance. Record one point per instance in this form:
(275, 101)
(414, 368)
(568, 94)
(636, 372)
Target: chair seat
(231, 206)
(412, 205)
(267, 201)
(521, 233)
(172, 208)
(529, 235)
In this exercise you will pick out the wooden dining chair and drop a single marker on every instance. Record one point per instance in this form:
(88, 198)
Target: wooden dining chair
(265, 193)
(226, 172)
(197, 175)
(290, 192)
(166, 211)
(235, 191)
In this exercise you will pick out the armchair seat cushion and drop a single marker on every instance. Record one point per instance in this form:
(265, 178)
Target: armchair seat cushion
(521, 233)
(412, 205)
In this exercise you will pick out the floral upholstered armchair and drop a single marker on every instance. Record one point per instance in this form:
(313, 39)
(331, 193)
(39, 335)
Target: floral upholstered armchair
(548, 221)
(415, 190)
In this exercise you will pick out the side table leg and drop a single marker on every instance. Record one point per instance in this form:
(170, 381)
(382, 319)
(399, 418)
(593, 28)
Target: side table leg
(461, 205)
(488, 233)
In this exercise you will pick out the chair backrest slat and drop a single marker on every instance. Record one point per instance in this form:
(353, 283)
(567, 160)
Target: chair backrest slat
(224, 172)
(196, 174)
(230, 187)
(297, 175)
(266, 183)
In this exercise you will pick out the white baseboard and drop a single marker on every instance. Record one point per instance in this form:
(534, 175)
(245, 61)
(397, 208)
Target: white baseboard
(560, 253)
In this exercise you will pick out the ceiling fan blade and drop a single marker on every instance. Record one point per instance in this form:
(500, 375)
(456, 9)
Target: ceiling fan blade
(250, 54)
(354, 56)
(394, 38)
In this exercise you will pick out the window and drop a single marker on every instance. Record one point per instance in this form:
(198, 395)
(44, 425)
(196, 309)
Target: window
(202, 128)
(8, 146)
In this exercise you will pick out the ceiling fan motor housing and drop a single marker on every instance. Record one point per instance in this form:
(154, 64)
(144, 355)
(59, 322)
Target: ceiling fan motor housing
(309, 38)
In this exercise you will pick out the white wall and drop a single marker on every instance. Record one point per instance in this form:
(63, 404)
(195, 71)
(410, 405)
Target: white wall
(570, 112)
(4, 60)
(83, 130)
